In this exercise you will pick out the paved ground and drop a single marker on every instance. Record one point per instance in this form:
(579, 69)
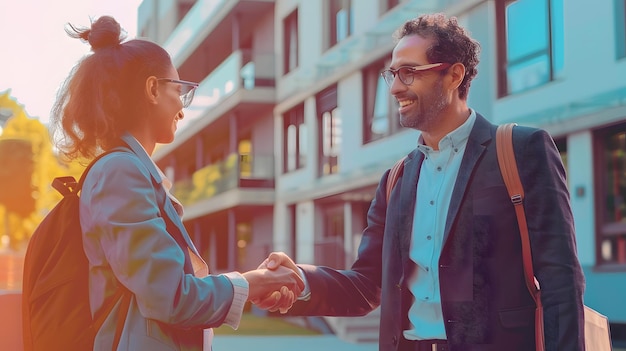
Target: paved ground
(288, 343)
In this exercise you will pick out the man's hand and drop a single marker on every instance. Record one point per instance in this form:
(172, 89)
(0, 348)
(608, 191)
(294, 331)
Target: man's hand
(278, 288)
(279, 300)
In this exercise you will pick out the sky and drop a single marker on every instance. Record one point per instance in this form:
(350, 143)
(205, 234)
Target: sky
(36, 55)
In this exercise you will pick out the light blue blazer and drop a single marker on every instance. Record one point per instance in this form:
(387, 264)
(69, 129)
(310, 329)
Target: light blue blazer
(133, 235)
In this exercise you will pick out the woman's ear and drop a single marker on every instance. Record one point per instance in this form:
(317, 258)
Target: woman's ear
(152, 89)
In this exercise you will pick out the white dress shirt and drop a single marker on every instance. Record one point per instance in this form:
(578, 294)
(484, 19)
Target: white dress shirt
(434, 191)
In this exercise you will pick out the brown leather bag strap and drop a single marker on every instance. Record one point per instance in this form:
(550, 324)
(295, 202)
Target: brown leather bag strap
(508, 168)
(392, 179)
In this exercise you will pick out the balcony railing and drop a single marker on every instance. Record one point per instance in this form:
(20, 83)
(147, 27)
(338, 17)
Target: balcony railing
(242, 69)
(243, 171)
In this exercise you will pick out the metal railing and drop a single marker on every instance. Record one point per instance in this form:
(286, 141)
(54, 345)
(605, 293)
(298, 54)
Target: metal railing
(245, 171)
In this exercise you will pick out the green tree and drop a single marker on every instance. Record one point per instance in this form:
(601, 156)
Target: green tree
(46, 165)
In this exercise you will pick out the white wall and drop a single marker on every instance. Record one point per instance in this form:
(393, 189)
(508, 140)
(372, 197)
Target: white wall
(580, 179)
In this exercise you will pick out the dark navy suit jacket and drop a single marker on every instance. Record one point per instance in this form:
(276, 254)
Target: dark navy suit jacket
(486, 305)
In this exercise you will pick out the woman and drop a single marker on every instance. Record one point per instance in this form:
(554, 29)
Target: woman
(123, 99)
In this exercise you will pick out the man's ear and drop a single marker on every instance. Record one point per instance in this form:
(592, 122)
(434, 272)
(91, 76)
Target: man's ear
(151, 89)
(456, 73)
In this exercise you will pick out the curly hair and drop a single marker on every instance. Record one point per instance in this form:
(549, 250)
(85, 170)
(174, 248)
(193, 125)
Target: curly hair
(103, 95)
(451, 43)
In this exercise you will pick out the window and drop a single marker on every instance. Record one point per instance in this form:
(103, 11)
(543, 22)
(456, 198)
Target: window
(341, 21)
(245, 158)
(530, 43)
(329, 245)
(386, 5)
(380, 109)
(329, 122)
(620, 34)
(290, 42)
(294, 139)
(610, 146)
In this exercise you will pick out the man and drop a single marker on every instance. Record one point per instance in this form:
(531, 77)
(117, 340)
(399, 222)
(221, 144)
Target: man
(443, 258)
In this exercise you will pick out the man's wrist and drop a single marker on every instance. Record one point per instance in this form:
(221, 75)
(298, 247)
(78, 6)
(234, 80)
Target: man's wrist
(305, 295)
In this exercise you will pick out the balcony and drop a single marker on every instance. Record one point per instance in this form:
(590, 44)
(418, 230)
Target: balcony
(243, 71)
(237, 171)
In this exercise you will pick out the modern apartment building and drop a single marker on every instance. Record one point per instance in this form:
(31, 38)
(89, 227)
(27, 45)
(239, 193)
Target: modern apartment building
(292, 125)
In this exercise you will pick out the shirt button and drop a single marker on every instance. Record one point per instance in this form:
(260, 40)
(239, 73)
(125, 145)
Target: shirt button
(428, 237)
(432, 202)
(426, 298)
(427, 269)
(439, 168)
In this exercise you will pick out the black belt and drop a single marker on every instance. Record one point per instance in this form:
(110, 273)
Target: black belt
(423, 345)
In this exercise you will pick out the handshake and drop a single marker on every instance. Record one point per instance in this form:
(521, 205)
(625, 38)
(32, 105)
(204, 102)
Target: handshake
(276, 284)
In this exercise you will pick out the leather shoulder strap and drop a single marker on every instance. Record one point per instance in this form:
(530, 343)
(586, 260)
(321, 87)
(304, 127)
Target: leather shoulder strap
(510, 173)
(394, 173)
(508, 168)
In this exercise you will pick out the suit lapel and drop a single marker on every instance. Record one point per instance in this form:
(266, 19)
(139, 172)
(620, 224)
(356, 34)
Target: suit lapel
(406, 209)
(476, 146)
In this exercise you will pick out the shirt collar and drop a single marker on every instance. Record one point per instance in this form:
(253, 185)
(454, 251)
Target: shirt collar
(453, 140)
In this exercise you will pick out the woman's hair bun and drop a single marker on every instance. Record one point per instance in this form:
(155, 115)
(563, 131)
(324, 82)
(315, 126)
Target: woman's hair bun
(104, 32)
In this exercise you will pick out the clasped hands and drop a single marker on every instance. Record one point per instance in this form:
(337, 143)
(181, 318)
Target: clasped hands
(276, 284)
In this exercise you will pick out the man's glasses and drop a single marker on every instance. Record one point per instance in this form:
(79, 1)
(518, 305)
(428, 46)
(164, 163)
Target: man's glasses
(187, 89)
(406, 74)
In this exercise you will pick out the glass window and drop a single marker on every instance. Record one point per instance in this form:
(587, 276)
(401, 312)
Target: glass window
(380, 109)
(329, 245)
(386, 5)
(533, 43)
(290, 42)
(245, 158)
(341, 18)
(294, 139)
(611, 198)
(329, 124)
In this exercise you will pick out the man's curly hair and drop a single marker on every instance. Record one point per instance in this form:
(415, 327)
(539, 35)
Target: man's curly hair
(451, 43)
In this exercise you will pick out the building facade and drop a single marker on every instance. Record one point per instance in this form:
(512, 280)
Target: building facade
(292, 125)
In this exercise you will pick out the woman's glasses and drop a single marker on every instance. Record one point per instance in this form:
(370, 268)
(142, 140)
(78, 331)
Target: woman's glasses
(406, 74)
(187, 89)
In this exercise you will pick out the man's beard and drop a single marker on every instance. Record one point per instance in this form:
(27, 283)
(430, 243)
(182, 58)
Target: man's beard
(427, 115)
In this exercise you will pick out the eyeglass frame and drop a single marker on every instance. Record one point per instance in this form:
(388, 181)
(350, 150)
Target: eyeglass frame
(185, 97)
(440, 66)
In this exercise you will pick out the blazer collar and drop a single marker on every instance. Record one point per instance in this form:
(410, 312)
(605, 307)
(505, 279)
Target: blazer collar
(479, 138)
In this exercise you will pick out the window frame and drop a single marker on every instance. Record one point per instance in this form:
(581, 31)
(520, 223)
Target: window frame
(291, 42)
(554, 36)
(294, 118)
(334, 7)
(607, 230)
(373, 83)
(328, 140)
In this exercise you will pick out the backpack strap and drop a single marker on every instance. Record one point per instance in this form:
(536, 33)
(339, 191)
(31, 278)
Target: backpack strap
(68, 185)
(393, 176)
(510, 174)
(93, 162)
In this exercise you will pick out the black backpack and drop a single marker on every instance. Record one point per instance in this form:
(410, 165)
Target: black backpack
(55, 294)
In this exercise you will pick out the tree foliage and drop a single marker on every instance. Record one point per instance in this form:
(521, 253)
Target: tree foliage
(16, 228)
